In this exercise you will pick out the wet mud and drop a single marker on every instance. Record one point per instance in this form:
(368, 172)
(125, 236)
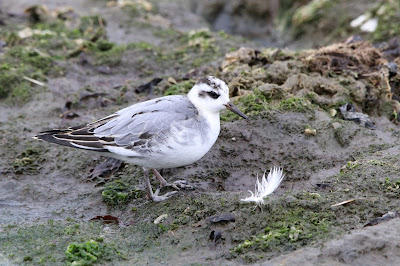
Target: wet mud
(340, 175)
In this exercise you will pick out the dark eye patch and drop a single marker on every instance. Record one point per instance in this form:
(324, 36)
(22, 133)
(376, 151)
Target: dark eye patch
(213, 94)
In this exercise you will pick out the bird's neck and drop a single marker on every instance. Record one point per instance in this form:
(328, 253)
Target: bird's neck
(213, 121)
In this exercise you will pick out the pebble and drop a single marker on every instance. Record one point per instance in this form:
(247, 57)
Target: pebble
(336, 125)
(247, 134)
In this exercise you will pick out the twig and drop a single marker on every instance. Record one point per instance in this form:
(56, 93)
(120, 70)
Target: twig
(34, 81)
(390, 95)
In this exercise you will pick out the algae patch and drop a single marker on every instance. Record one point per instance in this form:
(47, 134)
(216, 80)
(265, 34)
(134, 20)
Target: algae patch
(295, 105)
(292, 222)
(179, 88)
(19, 62)
(53, 243)
(87, 253)
(119, 192)
(28, 162)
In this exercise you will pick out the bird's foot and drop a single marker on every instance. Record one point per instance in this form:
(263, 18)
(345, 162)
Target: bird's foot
(182, 184)
(178, 184)
(156, 197)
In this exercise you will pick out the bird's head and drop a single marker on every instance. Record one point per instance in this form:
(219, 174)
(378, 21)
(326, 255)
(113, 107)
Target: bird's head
(211, 94)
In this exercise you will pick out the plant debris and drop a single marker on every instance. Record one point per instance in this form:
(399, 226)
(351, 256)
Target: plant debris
(360, 57)
(215, 237)
(37, 13)
(148, 87)
(160, 218)
(322, 186)
(105, 169)
(95, 99)
(243, 55)
(67, 113)
(107, 219)
(343, 203)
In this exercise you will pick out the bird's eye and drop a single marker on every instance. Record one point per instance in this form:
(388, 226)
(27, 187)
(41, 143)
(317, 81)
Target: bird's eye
(213, 94)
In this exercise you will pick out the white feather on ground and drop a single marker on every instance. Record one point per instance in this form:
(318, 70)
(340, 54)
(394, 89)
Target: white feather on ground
(266, 186)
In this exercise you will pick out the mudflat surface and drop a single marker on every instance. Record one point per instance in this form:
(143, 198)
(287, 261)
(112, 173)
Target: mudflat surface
(340, 175)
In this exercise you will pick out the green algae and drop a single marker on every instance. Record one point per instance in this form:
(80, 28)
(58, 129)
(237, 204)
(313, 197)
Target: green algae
(121, 189)
(252, 105)
(297, 227)
(35, 55)
(89, 252)
(295, 104)
(110, 57)
(387, 12)
(104, 45)
(202, 39)
(119, 192)
(142, 46)
(310, 12)
(50, 243)
(293, 221)
(391, 186)
(180, 88)
(8, 79)
(88, 23)
(83, 254)
(19, 62)
(28, 161)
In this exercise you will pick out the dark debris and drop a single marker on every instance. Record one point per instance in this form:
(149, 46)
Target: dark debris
(386, 217)
(67, 113)
(349, 112)
(215, 238)
(107, 219)
(148, 87)
(105, 169)
(226, 217)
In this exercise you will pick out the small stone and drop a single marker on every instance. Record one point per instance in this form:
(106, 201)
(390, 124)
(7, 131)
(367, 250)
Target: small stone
(161, 218)
(233, 139)
(289, 199)
(310, 131)
(333, 112)
(172, 80)
(336, 125)
(246, 135)
(104, 69)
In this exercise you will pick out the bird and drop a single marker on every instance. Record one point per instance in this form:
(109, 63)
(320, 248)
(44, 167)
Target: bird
(165, 132)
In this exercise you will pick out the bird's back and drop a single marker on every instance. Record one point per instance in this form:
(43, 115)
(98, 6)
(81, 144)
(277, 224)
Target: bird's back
(160, 133)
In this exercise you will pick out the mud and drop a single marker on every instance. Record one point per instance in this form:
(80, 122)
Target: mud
(48, 196)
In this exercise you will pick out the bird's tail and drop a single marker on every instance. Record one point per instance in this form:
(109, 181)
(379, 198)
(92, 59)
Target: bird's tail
(81, 137)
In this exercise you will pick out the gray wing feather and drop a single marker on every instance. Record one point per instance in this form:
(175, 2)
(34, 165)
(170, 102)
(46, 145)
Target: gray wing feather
(140, 122)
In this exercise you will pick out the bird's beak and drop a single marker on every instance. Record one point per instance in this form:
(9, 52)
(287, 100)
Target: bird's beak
(235, 110)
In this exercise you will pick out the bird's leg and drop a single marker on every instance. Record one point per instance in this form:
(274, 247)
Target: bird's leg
(163, 182)
(147, 182)
(155, 196)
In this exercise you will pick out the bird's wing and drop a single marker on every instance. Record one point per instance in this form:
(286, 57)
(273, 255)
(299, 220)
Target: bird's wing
(135, 125)
(130, 127)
